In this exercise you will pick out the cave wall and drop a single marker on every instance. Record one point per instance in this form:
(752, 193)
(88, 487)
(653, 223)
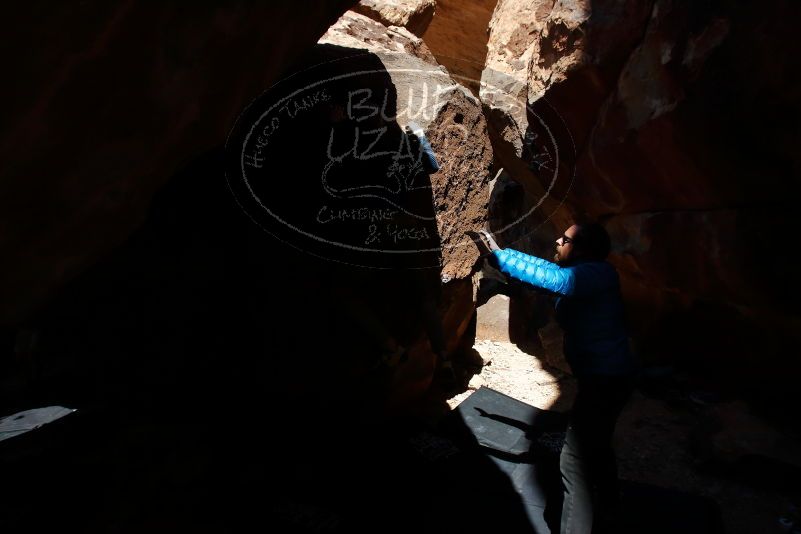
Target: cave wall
(457, 36)
(108, 101)
(684, 118)
(682, 128)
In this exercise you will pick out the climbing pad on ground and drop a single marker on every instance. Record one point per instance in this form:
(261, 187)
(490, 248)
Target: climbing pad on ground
(524, 443)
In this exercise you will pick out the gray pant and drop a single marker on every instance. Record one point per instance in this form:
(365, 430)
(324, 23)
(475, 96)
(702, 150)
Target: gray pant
(587, 462)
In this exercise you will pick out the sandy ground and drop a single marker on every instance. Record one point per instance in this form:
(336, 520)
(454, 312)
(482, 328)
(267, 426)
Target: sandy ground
(675, 437)
(520, 375)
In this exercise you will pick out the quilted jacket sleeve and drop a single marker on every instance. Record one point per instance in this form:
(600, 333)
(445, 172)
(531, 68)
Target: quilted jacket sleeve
(535, 271)
(575, 281)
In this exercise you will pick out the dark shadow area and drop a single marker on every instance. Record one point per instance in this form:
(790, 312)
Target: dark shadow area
(226, 380)
(525, 442)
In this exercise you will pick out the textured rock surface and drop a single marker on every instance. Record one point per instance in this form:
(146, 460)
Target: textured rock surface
(504, 80)
(658, 162)
(354, 30)
(453, 122)
(414, 15)
(106, 108)
(667, 104)
(458, 38)
(493, 319)
(451, 119)
(533, 46)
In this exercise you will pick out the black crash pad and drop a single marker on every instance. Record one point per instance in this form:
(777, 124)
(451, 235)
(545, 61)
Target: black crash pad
(524, 443)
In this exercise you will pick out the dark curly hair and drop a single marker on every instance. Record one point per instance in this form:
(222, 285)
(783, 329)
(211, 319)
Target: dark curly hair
(593, 241)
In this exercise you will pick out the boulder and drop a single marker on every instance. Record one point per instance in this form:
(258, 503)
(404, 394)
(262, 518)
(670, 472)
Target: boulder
(414, 15)
(667, 106)
(452, 120)
(493, 319)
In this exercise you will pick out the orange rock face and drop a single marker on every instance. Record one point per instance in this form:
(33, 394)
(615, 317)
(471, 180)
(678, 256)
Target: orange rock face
(680, 148)
(457, 36)
(452, 120)
(414, 15)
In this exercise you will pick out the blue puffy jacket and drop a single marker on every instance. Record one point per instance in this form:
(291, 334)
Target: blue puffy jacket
(589, 310)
